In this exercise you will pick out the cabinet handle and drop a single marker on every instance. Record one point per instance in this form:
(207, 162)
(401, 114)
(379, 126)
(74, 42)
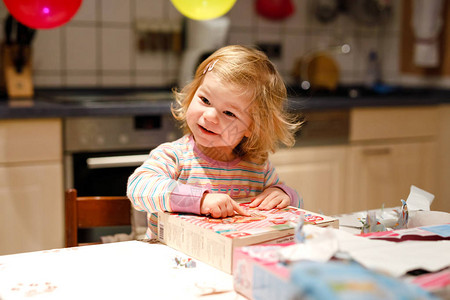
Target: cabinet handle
(377, 151)
(116, 161)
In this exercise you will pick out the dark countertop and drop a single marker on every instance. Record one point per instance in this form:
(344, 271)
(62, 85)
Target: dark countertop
(116, 102)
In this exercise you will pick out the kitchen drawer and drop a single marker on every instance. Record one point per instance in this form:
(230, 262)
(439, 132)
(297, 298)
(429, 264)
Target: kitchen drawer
(392, 122)
(30, 140)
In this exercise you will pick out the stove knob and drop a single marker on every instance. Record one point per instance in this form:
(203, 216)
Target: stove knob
(100, 140)
(84, 140)
(123, 139)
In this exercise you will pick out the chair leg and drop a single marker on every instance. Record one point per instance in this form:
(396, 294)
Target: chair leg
(71, 218)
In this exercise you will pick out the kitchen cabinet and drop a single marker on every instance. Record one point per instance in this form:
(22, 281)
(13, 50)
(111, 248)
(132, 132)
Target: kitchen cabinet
(31, 185)
(317, 173)
(443, 195)
(381, 174)
(390, 149)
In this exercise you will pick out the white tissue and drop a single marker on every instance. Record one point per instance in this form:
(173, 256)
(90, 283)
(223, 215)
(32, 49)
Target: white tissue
(419, 199)
(320, 245)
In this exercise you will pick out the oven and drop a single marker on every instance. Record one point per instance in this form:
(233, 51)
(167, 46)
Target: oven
(100, 153)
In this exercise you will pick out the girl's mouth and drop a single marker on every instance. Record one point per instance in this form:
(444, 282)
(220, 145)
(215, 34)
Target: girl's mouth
(206, 130)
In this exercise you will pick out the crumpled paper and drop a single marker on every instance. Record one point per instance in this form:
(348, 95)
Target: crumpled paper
(320, 244)
(418, 200)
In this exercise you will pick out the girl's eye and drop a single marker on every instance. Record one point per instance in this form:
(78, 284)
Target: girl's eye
(229, 113)
(204, 100)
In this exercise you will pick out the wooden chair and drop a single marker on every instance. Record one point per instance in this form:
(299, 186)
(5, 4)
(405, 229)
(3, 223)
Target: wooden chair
(90, 212)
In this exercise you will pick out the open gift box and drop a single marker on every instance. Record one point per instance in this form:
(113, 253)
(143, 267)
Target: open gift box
(259, 274)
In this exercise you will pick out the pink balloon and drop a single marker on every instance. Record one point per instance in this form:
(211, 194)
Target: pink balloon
(43, 14)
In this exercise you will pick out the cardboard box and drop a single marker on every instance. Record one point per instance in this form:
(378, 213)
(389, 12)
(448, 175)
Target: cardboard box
(214, 240)
(257, 271)
(259, 275)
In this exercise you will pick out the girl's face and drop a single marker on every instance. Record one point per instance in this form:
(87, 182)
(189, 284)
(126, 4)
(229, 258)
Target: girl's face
(218, 117)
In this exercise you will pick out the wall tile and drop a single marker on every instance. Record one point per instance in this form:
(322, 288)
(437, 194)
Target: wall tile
(346, 61)
(150, 61)
(297, 21)
(170, 12)
(145, 80)
(98, 46)
(149, 9)
(118, 80)
(47, 52)
(87, 11)
(116, 47)
(115, 11)
(47, 80)
(80, 48)
(239, 37)
(172, 62)
(363, 46)
(89, 79)
(242, 14)
(390, 58)
(293, 50)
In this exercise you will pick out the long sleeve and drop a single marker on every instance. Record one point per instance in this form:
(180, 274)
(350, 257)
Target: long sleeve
(154, 187)
(272, 180)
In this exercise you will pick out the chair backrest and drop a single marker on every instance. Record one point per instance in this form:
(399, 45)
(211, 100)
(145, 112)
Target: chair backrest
(95, 211)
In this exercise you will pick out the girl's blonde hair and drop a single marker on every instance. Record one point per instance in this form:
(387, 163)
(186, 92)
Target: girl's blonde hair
(251, 70)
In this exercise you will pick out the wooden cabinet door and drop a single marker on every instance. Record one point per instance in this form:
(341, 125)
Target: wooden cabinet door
(31, 207)
(316, 173)
(442, 201)
(383, 173)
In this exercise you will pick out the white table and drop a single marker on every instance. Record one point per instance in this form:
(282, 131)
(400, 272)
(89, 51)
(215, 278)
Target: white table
(124, 270)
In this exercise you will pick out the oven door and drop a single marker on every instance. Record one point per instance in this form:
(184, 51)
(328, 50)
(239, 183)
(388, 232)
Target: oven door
(104, 173)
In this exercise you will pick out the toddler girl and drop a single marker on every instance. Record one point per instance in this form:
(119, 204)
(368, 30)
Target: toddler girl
(233, 115)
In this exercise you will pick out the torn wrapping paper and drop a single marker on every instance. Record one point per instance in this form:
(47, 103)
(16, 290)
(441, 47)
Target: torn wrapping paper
(426, 233)
(410, 214)
(371, 223)
(318, 245)
(438, 283)
(395, 259)
(257, 277)
(403, 217)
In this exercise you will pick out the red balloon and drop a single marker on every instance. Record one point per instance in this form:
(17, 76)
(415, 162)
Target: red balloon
(43, 14)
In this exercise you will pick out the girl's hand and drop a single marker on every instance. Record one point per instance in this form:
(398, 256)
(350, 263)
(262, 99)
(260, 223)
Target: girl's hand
(220, 206)
(270, 198)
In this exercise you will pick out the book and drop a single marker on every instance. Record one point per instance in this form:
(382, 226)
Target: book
(213, 240)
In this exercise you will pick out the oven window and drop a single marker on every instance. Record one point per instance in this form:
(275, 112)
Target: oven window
(104, 173)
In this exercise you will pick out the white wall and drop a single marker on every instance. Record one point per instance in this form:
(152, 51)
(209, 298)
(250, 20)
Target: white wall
(98, 47)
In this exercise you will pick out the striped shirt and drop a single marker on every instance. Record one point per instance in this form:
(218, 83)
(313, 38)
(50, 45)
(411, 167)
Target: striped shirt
(177, 174)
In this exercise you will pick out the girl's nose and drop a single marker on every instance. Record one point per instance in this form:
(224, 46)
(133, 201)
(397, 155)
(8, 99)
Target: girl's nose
(211, 115)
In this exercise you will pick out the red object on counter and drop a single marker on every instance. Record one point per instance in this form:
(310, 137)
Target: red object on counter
(275, 9)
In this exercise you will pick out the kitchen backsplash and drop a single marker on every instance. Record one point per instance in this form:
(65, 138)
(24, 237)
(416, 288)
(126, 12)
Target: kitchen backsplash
(100, 46)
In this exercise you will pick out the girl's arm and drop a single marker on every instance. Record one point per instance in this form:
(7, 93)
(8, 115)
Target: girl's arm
(153, 186)
(273, 181)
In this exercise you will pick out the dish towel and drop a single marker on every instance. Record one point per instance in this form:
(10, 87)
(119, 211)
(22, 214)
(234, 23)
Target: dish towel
(427, 24)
